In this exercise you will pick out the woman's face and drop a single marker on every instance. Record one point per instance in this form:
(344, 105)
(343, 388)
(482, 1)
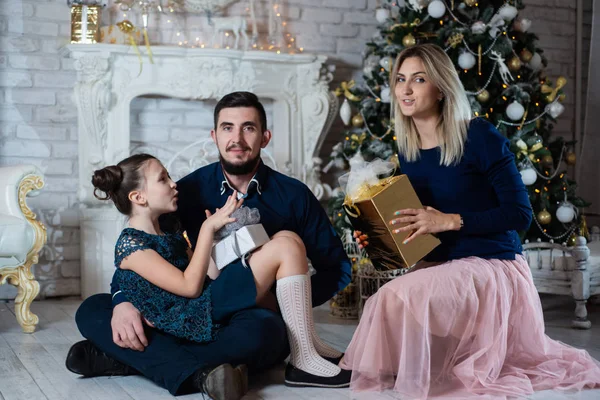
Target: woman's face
(416, 95)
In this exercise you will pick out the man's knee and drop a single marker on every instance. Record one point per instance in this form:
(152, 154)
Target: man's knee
(94, 312)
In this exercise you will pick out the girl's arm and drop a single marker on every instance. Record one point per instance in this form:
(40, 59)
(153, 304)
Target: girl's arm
(189, 283)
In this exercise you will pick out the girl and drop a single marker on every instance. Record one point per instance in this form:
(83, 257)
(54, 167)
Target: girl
(179, 293)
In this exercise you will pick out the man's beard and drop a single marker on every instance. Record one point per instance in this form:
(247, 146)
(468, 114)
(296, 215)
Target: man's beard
(239, 169)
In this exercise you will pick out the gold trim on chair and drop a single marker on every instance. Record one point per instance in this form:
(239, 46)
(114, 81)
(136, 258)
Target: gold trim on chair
(21, 276)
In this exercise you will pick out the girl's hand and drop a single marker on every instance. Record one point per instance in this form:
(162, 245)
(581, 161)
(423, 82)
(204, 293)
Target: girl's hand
(421, 221)
(221, 217)
(361, 239)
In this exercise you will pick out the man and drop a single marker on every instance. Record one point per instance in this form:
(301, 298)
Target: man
(117, 342)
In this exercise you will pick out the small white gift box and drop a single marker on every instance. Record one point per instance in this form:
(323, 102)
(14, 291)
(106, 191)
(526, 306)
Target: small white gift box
(237, 244)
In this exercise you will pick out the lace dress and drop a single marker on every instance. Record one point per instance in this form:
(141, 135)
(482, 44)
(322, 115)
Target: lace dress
(180, 316)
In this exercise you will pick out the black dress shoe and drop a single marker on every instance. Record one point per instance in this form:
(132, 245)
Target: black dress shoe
(86, 359)
(295, 377)
(334, 360)
(223, 382)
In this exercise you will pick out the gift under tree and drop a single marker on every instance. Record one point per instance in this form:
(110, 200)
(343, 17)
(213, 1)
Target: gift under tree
(502, 70)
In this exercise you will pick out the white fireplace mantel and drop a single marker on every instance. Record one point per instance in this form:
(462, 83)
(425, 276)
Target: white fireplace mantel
(109, 78)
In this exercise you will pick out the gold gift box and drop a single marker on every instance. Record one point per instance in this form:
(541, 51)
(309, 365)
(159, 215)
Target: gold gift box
(85, 24)
(371, 213)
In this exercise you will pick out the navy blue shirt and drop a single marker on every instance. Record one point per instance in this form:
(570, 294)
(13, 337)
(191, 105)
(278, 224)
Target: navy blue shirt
(284, 203)
(485, 188)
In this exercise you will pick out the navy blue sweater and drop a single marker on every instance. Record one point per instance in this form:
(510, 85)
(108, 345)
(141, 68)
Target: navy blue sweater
(485, 188)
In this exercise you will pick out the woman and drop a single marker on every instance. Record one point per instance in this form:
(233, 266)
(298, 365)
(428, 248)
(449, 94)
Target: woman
(469, 320)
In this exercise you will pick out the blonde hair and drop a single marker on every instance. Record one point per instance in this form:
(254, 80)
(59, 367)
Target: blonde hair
(455, 110)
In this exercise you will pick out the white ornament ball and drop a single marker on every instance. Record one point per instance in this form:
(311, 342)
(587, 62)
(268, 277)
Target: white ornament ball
(345, 112)
(555, 109)
(565, 213)
(385, 95)
(528, 176)
(536, 61)
(478, 28)
(508, 12)
(382, 15)
(386, 63)
(515, 111)
(466, 60)
(524, 25)
(436, 9)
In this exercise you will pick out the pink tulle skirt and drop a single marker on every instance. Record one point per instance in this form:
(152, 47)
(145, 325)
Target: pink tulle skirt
(468, 327)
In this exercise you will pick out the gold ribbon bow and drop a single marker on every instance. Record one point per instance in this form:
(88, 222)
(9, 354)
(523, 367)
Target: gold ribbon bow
(416, 22)
(345, 89)
(128, 28)
(553, 92)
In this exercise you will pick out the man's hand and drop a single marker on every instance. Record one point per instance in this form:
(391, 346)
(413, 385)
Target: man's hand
(127, 327)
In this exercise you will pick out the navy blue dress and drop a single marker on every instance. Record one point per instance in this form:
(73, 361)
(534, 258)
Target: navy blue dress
(196, 319)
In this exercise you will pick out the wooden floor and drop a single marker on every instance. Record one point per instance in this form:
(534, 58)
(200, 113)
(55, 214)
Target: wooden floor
(32, 365)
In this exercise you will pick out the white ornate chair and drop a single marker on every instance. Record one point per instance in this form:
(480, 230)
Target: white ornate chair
(22, 236)
(563, 270)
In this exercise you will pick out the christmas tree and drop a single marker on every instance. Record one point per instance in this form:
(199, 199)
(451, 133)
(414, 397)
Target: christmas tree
(502, 70)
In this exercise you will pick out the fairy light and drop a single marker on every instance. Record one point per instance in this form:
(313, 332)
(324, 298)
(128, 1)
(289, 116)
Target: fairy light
(504, 85)
(537, 191)
(441, 22)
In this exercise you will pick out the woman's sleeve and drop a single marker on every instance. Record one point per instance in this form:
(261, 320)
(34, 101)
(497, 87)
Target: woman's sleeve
(497, 162)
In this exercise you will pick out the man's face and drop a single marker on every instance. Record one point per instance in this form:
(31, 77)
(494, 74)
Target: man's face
(239, 138)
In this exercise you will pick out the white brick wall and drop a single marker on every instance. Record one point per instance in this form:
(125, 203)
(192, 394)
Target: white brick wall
(38, 120)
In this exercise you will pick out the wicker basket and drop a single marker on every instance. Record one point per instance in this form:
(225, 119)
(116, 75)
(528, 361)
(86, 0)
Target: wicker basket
(370, 280)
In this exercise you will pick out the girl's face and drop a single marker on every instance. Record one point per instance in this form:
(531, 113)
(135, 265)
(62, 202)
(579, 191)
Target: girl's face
(160, 190)
(416, 95)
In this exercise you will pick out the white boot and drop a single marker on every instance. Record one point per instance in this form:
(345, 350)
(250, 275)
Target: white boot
(294, 297)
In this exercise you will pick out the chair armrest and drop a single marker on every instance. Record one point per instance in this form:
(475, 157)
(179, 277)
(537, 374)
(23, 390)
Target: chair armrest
(16, 183)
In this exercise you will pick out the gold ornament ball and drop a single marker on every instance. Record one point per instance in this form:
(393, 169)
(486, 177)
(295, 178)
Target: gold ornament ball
(409, 40)
(483, 96)
(571, 158)
(526, 55)
(544, 217)
(514, 64)
(470, 3)
(548, 161)
(572, 241)
(357, 121)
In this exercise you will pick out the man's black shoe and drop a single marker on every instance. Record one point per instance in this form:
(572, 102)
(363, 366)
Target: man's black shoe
(86, 359)
(295, 377)
(223, 382)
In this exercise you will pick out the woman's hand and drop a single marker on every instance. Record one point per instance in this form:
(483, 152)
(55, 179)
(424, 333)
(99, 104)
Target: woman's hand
(221, 217)
(361, 239)
(421, 221)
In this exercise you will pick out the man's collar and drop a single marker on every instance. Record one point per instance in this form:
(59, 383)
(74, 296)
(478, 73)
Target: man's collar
(257, 181)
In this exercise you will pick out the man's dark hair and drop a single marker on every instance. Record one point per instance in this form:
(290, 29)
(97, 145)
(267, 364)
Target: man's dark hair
(242, 99)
